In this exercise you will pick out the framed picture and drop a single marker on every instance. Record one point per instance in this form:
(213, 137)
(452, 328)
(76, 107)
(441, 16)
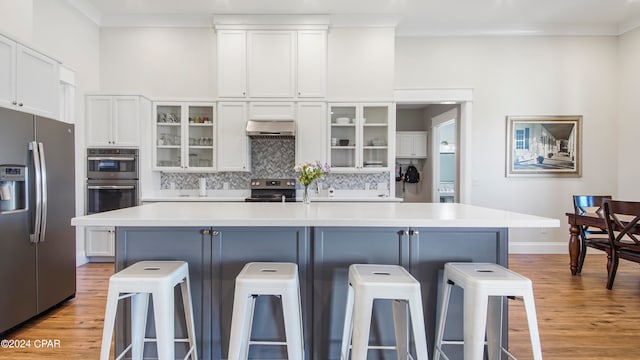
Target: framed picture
(544, 146)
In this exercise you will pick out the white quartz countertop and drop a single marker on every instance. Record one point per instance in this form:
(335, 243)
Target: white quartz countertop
(364, 214)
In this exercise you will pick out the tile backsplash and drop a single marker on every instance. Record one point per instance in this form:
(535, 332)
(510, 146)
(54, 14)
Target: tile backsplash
(270, 158)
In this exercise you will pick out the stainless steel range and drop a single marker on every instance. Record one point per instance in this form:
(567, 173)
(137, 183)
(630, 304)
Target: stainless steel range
(273, 190)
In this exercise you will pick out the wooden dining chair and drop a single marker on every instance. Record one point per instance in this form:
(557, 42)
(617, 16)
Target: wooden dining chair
(622, 219)
(595, 238)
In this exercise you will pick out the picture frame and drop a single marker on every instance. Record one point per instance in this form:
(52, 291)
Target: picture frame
(544, 146)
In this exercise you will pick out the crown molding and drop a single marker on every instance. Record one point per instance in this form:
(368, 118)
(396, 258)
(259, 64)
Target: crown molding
(508, 30)
(628, 26)
(365, 20)
(157, 20)
(271, 19)
(88, 10)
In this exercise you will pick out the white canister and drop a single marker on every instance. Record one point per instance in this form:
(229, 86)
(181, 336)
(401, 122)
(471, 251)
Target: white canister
(203, 186)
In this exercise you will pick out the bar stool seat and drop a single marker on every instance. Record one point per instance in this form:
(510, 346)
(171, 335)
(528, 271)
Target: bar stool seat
(484, 285)
(138, 281)
(368, 282)
(272, 279)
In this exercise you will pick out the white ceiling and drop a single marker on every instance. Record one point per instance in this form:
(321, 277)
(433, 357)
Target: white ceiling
(411, 17)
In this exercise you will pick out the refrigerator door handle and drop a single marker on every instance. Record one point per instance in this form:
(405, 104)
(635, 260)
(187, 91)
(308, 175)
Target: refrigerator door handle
(33, 146)
(43, 169)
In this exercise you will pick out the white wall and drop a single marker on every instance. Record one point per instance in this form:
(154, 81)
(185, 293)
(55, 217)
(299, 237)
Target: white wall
(629, 126)
(525, 76)
(360, 63)
(16, 18)
(168, 63)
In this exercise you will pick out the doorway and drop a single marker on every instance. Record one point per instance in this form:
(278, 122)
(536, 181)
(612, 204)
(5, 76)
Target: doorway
(445, 160)
(439, 101)
(437, 161)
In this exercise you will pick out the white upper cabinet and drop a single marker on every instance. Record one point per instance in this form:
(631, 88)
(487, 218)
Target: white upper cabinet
(113, 120)
(267, 64)
(271, 110)
(29, 80)
(312, 64)
(271, 59)
(359, 137)
(311, 132)
(233, 144)
(7, 73)
(184, 135)
(232, 63)
(411, 144)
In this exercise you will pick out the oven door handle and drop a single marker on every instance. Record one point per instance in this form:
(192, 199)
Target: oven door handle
(119, 158)
(111, 187)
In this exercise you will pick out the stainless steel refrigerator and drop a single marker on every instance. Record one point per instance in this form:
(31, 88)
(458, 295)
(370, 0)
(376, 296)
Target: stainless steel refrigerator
(37, 197)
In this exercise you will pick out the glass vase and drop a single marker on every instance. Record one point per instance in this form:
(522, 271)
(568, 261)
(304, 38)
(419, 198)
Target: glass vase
(305, 197)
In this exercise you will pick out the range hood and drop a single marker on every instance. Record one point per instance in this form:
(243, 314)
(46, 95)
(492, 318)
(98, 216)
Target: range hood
(285, 128)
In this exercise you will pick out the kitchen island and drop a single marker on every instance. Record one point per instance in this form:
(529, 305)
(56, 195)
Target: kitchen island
(217, 239)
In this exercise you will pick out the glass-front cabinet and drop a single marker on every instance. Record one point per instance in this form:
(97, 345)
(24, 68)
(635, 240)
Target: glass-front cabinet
(184, 136)
(359, 137)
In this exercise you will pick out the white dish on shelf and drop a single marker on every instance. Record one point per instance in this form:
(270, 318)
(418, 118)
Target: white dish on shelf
(343, 120)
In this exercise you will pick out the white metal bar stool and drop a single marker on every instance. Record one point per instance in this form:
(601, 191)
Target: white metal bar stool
(370, 282)
(138, 281)
(266, 278)
(484, 285)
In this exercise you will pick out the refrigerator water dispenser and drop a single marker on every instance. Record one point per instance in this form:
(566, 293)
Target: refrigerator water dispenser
(13, 188)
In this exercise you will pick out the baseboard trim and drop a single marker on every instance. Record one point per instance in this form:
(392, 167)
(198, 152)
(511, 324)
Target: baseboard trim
(538, 248)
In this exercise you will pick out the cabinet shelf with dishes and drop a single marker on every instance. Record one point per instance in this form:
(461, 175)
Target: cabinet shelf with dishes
(359, 137)
(184, 136)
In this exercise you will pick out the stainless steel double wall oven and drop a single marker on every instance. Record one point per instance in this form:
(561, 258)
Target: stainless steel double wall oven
(112, 179)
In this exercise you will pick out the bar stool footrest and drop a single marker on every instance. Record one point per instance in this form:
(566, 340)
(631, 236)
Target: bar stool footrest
(267, 343)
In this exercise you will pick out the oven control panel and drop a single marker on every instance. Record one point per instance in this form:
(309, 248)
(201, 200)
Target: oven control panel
(273, 183)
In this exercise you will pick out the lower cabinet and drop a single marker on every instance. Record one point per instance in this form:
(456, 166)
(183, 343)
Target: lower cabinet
(192, 245)
(334, 250)
(430, 249)
(99, 241)
(234, 248)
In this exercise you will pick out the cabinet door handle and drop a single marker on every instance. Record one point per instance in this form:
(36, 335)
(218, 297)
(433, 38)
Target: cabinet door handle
(205, 231)
(20, 104)
(14, 102)
(414, 232)
(215, 233)
(403, 233)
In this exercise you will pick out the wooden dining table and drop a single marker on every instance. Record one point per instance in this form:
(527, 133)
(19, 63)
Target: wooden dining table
(575, 222)
(589, 220)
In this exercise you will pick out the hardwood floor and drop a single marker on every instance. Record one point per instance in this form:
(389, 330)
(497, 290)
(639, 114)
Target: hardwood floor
(578, 317)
